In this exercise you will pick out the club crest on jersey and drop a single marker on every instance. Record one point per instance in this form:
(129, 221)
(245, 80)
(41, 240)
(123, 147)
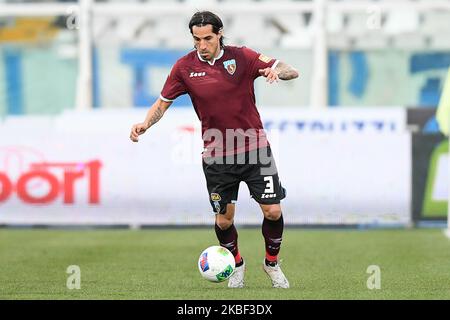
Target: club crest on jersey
(230, 66)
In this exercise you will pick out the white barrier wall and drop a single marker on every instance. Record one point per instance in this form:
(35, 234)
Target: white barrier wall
(343, 166)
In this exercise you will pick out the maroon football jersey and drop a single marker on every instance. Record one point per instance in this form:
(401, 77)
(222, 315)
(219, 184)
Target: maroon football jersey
(223, 96)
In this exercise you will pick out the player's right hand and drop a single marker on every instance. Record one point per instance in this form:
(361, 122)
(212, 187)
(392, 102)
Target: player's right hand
(270, 74)
(137, 130)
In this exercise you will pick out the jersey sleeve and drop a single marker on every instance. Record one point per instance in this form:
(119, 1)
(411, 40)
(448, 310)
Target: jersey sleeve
(174, 85)
(258, 61)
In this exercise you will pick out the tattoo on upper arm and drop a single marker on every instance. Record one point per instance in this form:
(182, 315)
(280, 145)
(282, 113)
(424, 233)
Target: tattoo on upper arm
(285, 71)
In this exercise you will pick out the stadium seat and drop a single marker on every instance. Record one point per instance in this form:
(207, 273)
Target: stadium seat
(338, 43)
(301, 33)
(334, 22)
(372, 41)
(263, 33)
(409, 41)
(289, 22)
(128, 27)
(357, 24)
(200, 2)
(147, 37)
(400, 22)
(440, 41)
(298, 40)
(173, 31)
(434, 22)
(102, 25)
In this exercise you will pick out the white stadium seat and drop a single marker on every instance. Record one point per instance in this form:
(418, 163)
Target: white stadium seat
(399, 22)
(372, 41)
(258, 33)
(334, 22)
(409, 41)
(434, 22)
(357, 24)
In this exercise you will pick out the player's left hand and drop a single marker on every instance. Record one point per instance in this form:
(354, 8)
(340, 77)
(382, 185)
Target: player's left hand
(270, 74)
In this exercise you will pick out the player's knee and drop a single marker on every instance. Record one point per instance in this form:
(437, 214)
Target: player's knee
(223, 223)
(225, 220)
(272, 212)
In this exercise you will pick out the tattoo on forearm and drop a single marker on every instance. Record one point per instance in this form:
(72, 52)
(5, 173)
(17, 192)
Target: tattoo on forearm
(286, 72)
(157, 115)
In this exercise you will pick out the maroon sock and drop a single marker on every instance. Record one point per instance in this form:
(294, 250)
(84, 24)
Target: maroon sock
(228, 238)
(273, 233)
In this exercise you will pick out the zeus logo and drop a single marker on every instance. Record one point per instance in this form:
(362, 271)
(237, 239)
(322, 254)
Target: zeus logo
(197, 74)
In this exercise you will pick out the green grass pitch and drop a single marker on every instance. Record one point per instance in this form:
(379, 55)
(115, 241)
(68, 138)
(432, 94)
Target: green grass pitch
(162, 264)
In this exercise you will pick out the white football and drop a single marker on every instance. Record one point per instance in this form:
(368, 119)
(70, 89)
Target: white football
(216, 264)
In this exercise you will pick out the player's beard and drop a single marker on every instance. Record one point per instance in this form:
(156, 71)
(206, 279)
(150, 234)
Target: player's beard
(210, 55)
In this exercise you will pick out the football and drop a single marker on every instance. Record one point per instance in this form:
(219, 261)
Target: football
(216, 264)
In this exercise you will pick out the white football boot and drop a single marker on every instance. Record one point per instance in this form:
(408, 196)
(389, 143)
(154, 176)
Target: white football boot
(236, 280)
(277, 276)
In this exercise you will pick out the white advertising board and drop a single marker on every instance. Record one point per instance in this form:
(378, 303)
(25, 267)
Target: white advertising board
(82, 169)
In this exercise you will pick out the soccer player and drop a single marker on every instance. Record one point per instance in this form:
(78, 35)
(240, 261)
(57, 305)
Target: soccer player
(219, 80)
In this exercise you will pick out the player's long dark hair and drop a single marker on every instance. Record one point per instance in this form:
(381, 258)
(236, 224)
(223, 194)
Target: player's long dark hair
(202, 18)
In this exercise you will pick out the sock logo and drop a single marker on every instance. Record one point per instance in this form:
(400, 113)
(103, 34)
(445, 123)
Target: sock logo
(228, 245)
(276, 240)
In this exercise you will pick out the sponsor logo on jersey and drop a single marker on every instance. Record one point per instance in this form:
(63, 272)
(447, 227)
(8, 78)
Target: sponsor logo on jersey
(230, 66)
(264, 58)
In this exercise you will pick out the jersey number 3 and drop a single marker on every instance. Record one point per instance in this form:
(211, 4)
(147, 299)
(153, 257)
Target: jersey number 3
(269, 184)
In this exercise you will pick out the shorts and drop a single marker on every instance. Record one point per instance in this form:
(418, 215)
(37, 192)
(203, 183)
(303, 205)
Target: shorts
(256, 168)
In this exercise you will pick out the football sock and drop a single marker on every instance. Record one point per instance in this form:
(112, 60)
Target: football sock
(273, 236)
(271, 263)
(239, 262)
(228, 238)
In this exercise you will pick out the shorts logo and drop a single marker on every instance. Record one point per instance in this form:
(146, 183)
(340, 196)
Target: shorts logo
(215, 197)
(267, 196)
(264, 58)
(230, 66)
